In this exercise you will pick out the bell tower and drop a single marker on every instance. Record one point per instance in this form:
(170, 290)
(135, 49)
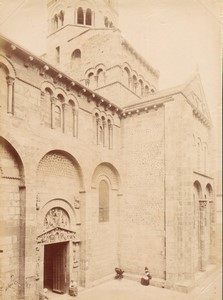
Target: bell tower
(70, 19)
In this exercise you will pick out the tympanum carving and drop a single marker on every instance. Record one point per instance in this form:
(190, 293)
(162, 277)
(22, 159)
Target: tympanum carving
(56, 217)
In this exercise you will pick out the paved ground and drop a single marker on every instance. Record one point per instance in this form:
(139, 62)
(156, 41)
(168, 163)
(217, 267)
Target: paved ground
(130, 290)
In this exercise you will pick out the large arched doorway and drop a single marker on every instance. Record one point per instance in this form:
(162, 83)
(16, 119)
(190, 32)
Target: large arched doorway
(12, 222)
(59, 181)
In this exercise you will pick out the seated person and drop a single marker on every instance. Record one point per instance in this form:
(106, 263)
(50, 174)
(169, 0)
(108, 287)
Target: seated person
(119, 273)
(145, 280)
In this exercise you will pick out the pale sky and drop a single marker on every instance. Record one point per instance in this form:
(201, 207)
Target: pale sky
(177, 37)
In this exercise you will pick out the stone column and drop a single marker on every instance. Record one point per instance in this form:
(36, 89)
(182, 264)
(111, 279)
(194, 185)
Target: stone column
(53, 102)
(84, 13)
(212, 230)
(203, 205)
(110, 136)
(96, 81)
(10, 82)
(130, 82)
(74, 111)
(64, 108)
(104, 133)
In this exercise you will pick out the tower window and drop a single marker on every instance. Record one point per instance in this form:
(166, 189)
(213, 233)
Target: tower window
(61, 17)
(88, 17)
(80, 16)
(76, 59)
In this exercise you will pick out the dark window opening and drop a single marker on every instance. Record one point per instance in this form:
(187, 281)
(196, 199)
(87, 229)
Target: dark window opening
(88, 17)
(80, 16)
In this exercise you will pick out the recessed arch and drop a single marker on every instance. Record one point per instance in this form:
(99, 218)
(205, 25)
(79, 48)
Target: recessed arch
(15, 167)
(57, 202)
(8, 65)
(110, 172)
(48, 163)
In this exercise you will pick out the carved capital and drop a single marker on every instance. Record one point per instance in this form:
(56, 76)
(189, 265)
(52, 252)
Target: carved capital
(53, 100)
(64, 106)
(10, 80)
(98, 120)
(203, 204)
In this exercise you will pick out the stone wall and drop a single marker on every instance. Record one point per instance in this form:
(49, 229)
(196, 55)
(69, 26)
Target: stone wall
(142, 207)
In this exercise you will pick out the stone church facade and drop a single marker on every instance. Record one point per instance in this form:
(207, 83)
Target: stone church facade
(99, 168)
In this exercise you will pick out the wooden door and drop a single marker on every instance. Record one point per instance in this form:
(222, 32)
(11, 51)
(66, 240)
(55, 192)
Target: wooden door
(59, 268)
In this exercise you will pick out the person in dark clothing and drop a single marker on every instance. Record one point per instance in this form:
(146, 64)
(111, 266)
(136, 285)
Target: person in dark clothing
(119, 273)
(145, 280)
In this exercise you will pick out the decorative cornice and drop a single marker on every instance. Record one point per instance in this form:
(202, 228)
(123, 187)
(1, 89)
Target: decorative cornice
(55, 74)
(144, 107)
(201, 117)
(140, 58)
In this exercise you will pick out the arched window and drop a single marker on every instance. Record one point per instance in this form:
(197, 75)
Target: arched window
(91, 80)
(72, 118)
(110, 134)
(88, 17)
(76, 59)
(146, 90)
(6, 89)
(57, 116)
(101, 78)
(141, 88)
(61, 18)
(80, 16)
(56, 22)
(100, 128)
(103, 201)
(3, 88)
(46, 108)
(134, 83)
(126, 77)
